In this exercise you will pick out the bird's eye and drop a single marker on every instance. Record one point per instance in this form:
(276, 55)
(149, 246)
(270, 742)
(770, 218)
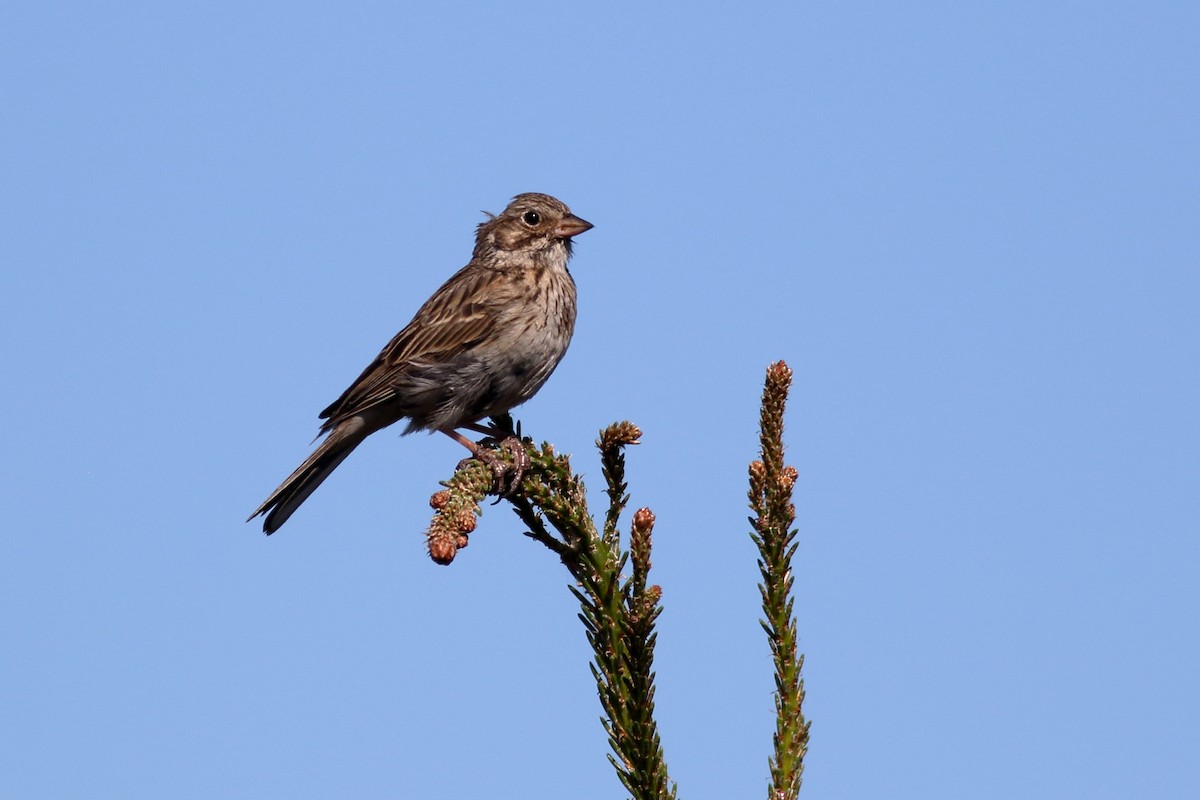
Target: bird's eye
(531, 217)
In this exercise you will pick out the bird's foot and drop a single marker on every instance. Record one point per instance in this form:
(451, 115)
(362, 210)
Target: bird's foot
(506, 477)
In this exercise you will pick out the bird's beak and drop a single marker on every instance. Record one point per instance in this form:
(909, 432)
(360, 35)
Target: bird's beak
(571, 225)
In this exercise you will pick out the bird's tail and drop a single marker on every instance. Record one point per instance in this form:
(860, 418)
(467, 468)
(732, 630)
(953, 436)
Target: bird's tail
(309, 475)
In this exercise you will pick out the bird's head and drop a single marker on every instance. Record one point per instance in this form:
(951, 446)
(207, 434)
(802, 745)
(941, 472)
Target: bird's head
(532, 222)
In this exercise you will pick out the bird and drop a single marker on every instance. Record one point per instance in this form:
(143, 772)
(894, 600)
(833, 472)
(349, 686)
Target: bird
(485, 342)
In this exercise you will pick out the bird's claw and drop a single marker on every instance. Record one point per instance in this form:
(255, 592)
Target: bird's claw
(506, 478)
(510, 479)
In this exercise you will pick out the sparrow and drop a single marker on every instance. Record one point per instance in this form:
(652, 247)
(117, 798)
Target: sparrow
(484, 343)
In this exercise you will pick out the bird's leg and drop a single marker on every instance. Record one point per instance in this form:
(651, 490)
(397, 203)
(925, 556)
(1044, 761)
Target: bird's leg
(506, 478)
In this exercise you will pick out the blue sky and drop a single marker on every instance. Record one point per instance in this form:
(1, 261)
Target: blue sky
(971, 229)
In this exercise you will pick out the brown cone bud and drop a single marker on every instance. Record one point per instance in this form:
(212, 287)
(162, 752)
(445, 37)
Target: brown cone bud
(788, 479)
(466, 521)
(442, 551)
(643, 520)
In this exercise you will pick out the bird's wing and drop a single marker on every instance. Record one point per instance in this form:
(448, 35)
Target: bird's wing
(458, 316)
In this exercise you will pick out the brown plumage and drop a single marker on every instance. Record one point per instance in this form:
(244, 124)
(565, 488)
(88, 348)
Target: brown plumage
(484, 343)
